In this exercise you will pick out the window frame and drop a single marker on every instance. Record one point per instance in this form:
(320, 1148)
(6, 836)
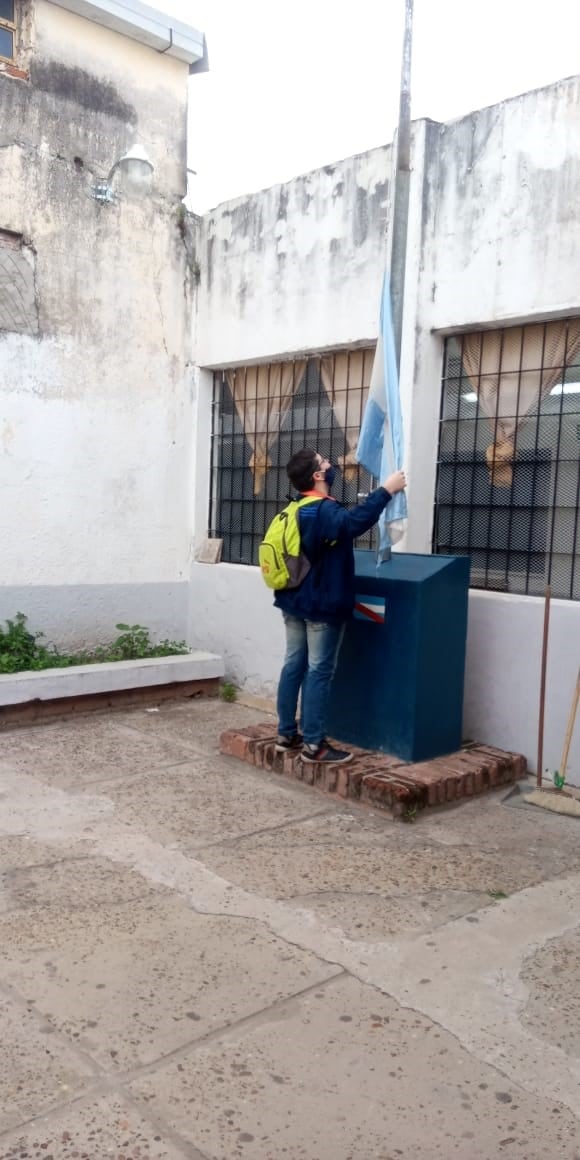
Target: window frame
(10, 26)
(238, 513)
(509, 568)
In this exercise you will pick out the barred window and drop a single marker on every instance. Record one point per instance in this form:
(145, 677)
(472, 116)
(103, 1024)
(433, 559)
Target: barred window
(508, 486)
(263, 414)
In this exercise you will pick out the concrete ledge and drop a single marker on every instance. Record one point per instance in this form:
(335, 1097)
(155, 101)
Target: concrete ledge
(113, 677)
(384, 782)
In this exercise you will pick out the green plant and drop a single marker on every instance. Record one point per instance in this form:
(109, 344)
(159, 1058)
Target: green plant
(228, 692)
(17, 645)
(22, 650)
(497, 895)
(134, 643)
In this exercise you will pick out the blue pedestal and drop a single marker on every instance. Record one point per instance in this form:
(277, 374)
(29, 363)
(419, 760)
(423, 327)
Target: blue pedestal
(398, 686)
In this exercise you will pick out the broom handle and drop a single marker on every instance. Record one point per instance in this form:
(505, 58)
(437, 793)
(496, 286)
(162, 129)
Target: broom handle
(547, 599)
(570, 729)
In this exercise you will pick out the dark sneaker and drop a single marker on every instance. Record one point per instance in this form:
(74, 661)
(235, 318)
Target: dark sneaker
(288, 744)
(325, 754)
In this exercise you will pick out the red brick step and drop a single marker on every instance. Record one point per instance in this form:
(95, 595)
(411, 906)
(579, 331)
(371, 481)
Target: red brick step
(380, 780)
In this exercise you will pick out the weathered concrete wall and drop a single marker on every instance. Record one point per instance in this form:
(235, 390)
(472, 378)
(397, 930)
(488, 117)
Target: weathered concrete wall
(501, 236)
(296, 267)
(232, 610)
(95, 383)
(499, 242)
(502, 688)
(493, 237)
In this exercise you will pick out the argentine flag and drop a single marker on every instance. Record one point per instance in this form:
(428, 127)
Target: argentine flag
(380, 447)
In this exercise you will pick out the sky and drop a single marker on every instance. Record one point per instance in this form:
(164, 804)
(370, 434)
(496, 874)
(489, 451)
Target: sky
(296, 86)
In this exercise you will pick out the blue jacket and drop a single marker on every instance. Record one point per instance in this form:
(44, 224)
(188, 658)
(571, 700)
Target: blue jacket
(327, 531)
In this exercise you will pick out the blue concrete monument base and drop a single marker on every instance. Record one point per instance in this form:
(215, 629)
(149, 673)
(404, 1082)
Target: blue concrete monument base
(398, 686)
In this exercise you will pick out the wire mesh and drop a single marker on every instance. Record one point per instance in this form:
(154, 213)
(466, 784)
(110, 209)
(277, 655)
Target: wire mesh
(518, 518)
(254, 429)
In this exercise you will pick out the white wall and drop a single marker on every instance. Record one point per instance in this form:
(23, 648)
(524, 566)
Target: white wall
(96, 390)
(502, 688)
(232, 613)
(296, 267)
(501, 232)
(498, 242)
(493, 237)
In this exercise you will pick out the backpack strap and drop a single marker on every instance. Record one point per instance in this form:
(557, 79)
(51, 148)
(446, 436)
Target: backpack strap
(316, 561)
(300, 503)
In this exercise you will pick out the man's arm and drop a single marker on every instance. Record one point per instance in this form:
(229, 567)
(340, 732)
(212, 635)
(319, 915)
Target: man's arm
(336, 521)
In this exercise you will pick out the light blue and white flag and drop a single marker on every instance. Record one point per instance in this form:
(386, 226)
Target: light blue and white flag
(380, 447)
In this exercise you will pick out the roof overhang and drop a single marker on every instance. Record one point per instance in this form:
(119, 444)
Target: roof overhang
(138, 21)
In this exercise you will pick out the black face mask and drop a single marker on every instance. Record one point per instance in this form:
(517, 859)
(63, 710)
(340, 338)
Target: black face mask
(330, 475)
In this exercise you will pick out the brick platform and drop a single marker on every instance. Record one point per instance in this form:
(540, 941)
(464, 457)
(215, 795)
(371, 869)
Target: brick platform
(379, 780)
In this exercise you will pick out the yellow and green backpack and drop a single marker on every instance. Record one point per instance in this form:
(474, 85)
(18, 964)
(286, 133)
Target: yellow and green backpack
(282, 561)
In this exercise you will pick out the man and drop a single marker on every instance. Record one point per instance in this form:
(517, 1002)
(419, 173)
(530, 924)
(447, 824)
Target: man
(315, 613)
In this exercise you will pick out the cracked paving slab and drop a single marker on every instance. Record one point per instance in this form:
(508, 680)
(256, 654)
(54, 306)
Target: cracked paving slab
(374, 880)
(20, 851)
(294, 863)
(197, 724)
(65, 756)
(375, 916)
(487, 825)
(103, 1129)
(345, 1072)
(195, 804)
(484, 823)
(463, 977)
(36, 1072)
(81, 883)
(472, 981)
(133, 982)
(551, 974)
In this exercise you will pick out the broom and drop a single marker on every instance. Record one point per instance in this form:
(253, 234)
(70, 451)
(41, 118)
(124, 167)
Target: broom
(554, 798)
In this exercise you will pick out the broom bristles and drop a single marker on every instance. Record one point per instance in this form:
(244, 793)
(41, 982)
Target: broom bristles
(558, 803)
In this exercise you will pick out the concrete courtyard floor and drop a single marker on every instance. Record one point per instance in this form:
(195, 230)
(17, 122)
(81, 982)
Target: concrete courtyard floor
(201, 960)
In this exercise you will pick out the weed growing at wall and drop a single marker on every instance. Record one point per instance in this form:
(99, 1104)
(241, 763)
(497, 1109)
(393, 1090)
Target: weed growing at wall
(228, 692)
(23, 651)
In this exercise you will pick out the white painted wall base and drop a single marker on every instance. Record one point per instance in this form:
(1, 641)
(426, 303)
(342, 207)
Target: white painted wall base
(84, 680)
(232, 613)
(502, 684)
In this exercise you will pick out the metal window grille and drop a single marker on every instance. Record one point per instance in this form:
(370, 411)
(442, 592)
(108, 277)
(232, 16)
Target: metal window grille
(243, 503)
(7, 29)
(518, 520)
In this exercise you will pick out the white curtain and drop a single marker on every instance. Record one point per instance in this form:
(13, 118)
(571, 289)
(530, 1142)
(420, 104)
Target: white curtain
(262, 396)
(511, 371)
(346, 378)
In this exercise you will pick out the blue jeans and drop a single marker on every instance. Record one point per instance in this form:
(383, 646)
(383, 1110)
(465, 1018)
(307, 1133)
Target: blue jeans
(309, 664)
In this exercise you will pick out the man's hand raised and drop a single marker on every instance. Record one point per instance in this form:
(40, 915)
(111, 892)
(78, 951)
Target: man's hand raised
(396, 482)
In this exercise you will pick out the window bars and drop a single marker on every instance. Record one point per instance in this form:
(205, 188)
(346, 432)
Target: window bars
(263, 414)
(508, 482)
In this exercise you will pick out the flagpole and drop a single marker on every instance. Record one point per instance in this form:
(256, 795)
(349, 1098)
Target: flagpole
(402, 184)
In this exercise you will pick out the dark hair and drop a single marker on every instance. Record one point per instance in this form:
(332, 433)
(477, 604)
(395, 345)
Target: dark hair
(301, 467)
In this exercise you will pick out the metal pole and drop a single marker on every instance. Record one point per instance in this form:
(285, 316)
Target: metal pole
(402, 184)
(543, 668)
